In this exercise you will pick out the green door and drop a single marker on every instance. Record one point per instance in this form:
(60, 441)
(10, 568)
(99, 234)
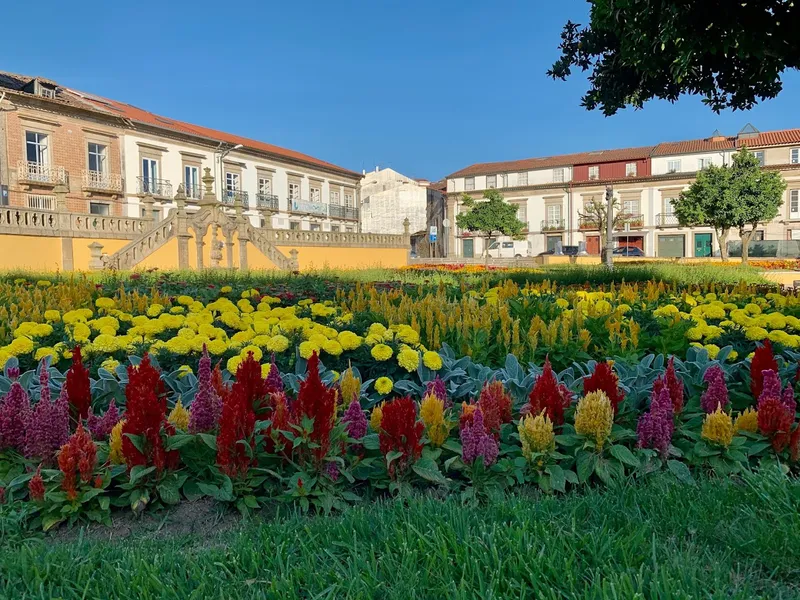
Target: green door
(469, 248)
(702, 244)
(671, 246)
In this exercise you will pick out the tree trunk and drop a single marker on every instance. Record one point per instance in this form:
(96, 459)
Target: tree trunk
(722, 239)
(746, 237)
(486, 250)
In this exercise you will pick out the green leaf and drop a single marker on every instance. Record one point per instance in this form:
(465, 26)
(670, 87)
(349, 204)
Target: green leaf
(392, 456)
(177, 441)
(557, 478)
(209, 440)
(585, 464)
(140, 471)
(250, 501)
(137, 441)
(571, 477)
(757, 447)
(623, 455)
(681, 471)
(603, 472)
(453, 446)
(50, 521)
(371, 441)
(191, 490)
(429, 470)
(168, 491)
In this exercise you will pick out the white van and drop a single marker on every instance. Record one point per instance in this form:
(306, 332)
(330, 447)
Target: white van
(510, 249)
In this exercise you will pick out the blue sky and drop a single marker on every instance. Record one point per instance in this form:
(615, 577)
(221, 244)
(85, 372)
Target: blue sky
(426, 87)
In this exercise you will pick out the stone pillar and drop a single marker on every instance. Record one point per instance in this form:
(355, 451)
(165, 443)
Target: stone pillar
(182, 229)
(149, 202)
(237, 206)
(295, 261)
(244, 236)
(95, 256)
(63, 215)
(209, 198)
(229, 247)
(407, 238)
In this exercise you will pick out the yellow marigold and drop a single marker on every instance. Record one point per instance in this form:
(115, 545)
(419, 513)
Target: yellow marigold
(407, 334)
(307, 349)
(265, 369)
(115, 444)
(154, 310)
(408, 359)
(52, 315)
(21, 345)
(536, 434)
(110, 365)
(381, 352)
(43, 283)
(105, 303)
(431, 411)
(350, 386)
(226, 289)
(733, 355)
(594, 417)
(376, 417)
(383, 385)
(332, 347)
(41, 330)
(179, 416)
(694, 333)
(257, 352)
(755, 334)
(718, 428)
(184, 370)
(233, 364)
(217, 347)
(46, 351)
(747, 421)
(278, 343)
(432, 360)
(712, 350)
(349, 340)
(185, 300)
(177, 310)
(562, 303)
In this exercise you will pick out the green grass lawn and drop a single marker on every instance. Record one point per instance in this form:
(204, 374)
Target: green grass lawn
(661, 539)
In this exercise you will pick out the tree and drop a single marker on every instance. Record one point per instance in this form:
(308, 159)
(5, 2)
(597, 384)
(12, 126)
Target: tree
(731, 53)
(740, 196)
(494, 215)
(595, 213)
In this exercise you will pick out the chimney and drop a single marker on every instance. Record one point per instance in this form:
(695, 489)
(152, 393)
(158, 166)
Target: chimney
(363, 172)
(717, 136)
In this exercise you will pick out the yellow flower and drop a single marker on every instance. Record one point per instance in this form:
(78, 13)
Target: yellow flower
(226, 289)
(41, 330)
(185, 300)
(747, 421)
(431, 411)
(408, 359)
(184, 370)
(110, 365)
(278, 343)
(562, 303)
(115, 444)
(432, 360)
(381, 352)
(755, 334)
(265, 369)
(349, 340)
(376, 417)
(257, 352)
(712, 350)
(733, 355)
(332, 347)
(52, 315)
(718, 428)
(43, 283)
(216, 347)
(594, 417)
(350, 386)
(46, 351)
(233, 364)
(536, 434)
(383, 385)
(307, 349)
(106, 303)
(20, 346)
(179, 416)
(154, 310)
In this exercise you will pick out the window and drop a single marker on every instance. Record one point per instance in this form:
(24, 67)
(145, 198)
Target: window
(553, 214)
(156, 214)
(469, 183)
(348, 229)
(315, 194)
(491, 181)
(522, 212)
(232, 182)
(594, 173)
(758, 236)
(504, 180)
(795, 156)
(669, 206)
(191, 181)
(508, 244)
(630, 207)
(97, 158)
(673, 166)
(630, 169)
(294, 225)
(348, 199)
(41, 202)
(294, 191)
(558, 175)
(36, 147)
(335, 228)
(149, 169)
(522, 178)
(316, 227)
(334, 197)
(794, 204)
(265, 186)
(760, 157)
(98, 208)
(703, 163)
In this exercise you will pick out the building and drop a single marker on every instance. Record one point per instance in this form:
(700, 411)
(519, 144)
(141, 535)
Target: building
(388, 197)
(117, 159)
(551, 193)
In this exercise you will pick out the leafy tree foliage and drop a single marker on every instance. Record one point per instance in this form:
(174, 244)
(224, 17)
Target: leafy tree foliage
(740, 196)
(595, 212)
(731, 53)
(490, 216)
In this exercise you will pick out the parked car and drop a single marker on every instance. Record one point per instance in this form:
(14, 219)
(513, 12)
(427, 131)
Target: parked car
(510, 249)
(628, 251)
(566, 250)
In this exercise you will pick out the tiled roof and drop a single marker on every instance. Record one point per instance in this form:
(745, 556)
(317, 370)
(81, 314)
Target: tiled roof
(138, 115)
(562, 160)
(689, 146)
(772, 138)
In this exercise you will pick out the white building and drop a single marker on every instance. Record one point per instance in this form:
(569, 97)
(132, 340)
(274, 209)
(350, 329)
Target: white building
(388, 198)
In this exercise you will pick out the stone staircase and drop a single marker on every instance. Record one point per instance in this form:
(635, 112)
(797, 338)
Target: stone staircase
(144, 245)
(261, 241)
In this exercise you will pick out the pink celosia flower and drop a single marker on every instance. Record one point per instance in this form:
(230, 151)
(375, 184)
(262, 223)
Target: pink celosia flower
(273, 383)
(655, 428)
(771, 386)
(101, 427)
(356, 420)
(48, 426)
(206, 408)
(15, 410)
(716, 394)
(477, 442)
(437, 388)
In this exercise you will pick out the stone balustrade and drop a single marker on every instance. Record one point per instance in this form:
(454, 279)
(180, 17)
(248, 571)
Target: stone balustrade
(341, 239)
(31, 221)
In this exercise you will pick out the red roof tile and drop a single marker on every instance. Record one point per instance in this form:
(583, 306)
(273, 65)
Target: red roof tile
(772, 138)
(689, 146)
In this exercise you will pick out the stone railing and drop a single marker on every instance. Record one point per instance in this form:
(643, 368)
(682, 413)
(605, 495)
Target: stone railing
(294, 237)
(267, 247)
(135, 252)
(31, 221)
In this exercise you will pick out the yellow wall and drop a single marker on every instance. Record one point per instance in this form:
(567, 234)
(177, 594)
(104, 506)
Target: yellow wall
(30, 252)
(316, 257)
(164, 259)
(256, 260)
(80, 250)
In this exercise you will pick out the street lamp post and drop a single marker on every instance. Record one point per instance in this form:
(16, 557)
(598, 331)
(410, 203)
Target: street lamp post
(222, 154)
(609, 227)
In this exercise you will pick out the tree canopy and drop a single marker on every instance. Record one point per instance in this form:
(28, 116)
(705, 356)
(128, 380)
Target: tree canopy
(731, 53)
(490, 216)
(740, 196)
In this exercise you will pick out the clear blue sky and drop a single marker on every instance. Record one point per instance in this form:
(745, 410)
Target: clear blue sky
(424, 86)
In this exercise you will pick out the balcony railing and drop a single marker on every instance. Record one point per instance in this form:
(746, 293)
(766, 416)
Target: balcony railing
(155, 187)
(35, 172)
(193, 192)
(267, 201)
(103, 182)
(231, 196)
(588, 223)
(311, 208)
(667, 220)
(343, 212)
(633, 221)
(553, 225)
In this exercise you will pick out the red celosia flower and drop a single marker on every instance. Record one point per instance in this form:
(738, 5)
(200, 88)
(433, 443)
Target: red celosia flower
(775, 421)
(248, 377)
(763, 360)
(495, 404)
(401, 432)
(36, 486)
(674, 386)
(218, 382)
(2, 495)
(794, 444)
(237, 423)
(467, 412)
(548, 395)
(79, 389)
(145, 416)
(98, 481)
(77, 457)
(279, 421)
(605, 380)
(318, 402)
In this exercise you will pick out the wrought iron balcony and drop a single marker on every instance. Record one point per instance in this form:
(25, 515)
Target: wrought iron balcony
(95, 181)
(267, 201)
(667, 220)
(231, 196)
(154, 187)
(311, 208)
(553, 225)
(633, 221)
(588, 223)
(193, 192)
(343, 212)
(35, 172)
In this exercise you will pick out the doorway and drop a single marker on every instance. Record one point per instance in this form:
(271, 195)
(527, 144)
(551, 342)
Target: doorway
(702, 245)
(468, 248)
(593, 244)
(671, 246)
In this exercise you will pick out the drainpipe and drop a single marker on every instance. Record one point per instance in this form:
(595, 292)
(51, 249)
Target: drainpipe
(569, 211)
(3, 97)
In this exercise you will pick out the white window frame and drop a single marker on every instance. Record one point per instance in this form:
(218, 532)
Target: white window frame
(99, 152)
(265, 186)
(759, 154)
(674, 166)
(794, 156)
(504, 180)
(104, 205)
(232, 181)
(558, 175)
(315, 227)
(348, 200)
(703, 163)
(40, 143)
(315, 194)
(294, 190)
(594, 172)
(553, 213)
(150, 169)
(334, 197)
(491, 182)
(630, 169)
(191, 178)
(522, 178)
(794, 204)
(669, 206)
(469, 184)
(631, 207)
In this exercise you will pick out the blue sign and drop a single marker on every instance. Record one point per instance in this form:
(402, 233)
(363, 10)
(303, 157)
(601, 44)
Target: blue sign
(432, 238)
